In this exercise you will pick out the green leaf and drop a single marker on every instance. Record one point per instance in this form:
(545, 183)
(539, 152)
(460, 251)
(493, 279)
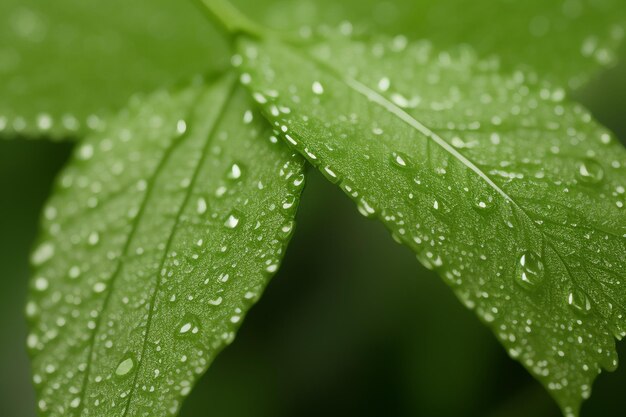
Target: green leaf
(162, 232)
(564, 40)
(65, 65)
(513, 194)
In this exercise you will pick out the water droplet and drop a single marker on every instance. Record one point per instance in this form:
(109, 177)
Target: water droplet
(31, 309)
(287, 228)
(99, 287)
(429, 260)
(43, 253)
(189, 325)
(289, 201)
(245, 78)
(590, 171)
(235, 171)
(32, 341)
(201, 205)
(93, 238)
(440, 208)
(330, 174)
(365, 209)
(384, 84)
(483, 202)
(298, 181)
(579, 301)
(181, 127)
(74, 272)
(125, 366)
(41, 284)
(215, 302)
(233, 220)
(403, 102)
(400, 160)
(317, 88)
(85, 152)
(259, 98)
(529, 270)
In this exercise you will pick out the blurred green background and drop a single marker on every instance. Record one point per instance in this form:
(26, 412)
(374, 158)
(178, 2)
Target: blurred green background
(352, 325)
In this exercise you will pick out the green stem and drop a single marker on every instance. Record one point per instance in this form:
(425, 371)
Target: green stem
(230, 18)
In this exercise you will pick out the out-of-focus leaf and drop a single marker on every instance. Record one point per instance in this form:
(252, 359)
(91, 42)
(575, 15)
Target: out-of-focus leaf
(65, 65)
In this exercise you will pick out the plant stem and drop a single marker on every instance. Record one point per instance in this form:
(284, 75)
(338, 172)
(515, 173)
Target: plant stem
(230, 18)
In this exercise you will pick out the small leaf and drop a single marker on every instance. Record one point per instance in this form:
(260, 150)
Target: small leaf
(162, 232)
(514, 195)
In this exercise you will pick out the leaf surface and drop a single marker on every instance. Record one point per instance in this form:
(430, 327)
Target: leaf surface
(162, 232)
(513, 194)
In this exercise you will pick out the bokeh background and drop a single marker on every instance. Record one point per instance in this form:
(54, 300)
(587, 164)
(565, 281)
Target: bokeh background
(351, 325)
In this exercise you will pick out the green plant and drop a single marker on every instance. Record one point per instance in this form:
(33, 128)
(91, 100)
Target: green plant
(173, 214)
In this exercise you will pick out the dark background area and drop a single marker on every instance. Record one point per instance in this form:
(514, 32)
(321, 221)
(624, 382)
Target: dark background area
(352, 325)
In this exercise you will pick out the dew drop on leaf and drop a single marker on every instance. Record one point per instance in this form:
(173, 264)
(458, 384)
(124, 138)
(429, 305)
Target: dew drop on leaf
(125, 366)
(298, 181)
(181, 127)
(41, 284)
(400, 160)
(317, 88)
(235, 171)
(579, 301)
(483, 204)
(590, 171)
(529, 271)
(365, 208)
(43, 253)
(289, 201)
(201, 205)
(188, 325)
(93, 238)
(429, 259)
(233, 220)
(483, 201)
(330, 174)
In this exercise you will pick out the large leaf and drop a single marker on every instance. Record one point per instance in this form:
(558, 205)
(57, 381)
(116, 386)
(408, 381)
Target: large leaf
(161, 234)
(514, 195)
(65, 64)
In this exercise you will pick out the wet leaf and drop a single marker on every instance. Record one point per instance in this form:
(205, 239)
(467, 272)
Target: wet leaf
(514, 195)
(162, 232)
